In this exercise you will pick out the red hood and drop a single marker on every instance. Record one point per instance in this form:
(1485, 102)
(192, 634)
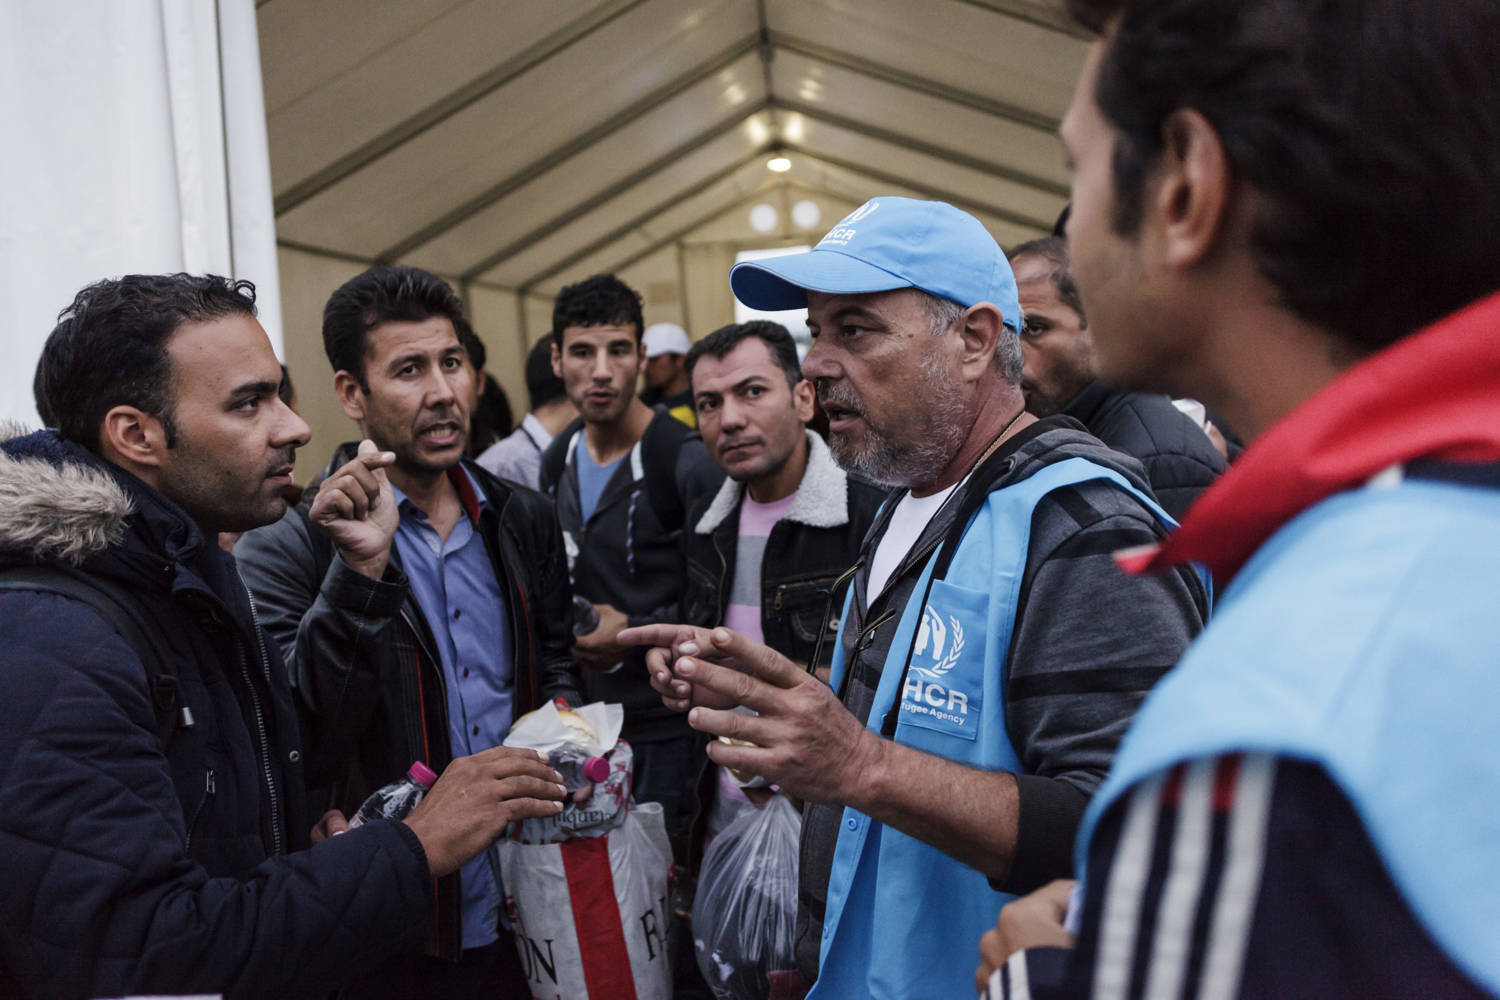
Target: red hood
(1432, 395)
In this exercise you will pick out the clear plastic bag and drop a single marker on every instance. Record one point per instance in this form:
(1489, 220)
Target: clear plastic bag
(746, 907)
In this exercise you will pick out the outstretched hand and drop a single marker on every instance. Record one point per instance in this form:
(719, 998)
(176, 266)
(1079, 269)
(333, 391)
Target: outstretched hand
(668, 642)
(803, 739)
(357, 509)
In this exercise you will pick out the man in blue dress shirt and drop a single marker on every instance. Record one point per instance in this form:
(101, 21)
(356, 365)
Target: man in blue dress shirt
(421, 603)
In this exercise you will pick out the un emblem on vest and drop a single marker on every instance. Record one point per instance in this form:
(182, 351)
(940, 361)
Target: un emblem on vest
(942, 643)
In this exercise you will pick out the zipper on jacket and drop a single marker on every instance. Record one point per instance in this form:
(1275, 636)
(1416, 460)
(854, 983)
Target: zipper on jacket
(723, 573)
(431, 658)
(260, 726)
(210, 788)
(847, 576)
(865, 641)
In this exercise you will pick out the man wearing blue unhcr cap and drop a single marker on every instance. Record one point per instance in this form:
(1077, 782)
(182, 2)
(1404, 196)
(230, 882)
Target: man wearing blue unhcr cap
(990, 655)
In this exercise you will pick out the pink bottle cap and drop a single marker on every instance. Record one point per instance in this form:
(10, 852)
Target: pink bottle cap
(421, 774)
(596, 769)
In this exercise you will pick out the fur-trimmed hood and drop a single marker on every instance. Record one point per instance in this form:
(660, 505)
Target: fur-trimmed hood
(60, 503)
(822, 499)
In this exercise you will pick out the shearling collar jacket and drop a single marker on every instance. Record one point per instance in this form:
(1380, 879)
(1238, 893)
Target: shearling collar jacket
(144, 861)
(807, 552)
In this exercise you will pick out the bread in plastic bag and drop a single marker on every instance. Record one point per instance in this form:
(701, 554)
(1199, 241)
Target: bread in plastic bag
(745, 909)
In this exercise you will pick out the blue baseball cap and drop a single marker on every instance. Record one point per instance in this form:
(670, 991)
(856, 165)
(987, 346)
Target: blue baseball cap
(889, 243)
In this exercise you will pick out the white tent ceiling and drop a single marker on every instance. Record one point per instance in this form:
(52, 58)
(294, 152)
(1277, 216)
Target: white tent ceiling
(519, 144)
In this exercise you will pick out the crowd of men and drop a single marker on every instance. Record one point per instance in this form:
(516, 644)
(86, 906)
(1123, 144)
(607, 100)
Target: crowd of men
(1049, 684)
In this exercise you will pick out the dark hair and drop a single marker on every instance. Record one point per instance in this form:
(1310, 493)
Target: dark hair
(782, 348)
(109, 348)
(1060, 227)
(39, 396)
(602, 300)
(1371, 127)
(1054, 250)
(542, 383)
(473, 346)
(492, 418)
(384, 294)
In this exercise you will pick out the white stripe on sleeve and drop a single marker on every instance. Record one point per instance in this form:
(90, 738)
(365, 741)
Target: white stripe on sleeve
(1239, 889)
(1020, 985)
(1120, 918)
(1184, 883)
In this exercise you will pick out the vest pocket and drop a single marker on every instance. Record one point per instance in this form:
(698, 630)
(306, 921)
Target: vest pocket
(944, 686)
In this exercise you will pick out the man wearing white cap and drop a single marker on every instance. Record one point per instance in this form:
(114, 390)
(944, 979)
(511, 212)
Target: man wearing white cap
(989, 655)
(668, 384)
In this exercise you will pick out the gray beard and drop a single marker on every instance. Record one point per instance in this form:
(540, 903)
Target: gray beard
(882, 460)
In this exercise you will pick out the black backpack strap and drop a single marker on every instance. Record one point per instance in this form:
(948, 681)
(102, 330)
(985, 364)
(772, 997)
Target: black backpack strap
(116, 605)
(659, 447)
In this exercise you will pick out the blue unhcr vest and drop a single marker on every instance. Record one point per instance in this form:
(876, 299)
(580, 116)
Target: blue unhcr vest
(1362, 637)
(903, 919)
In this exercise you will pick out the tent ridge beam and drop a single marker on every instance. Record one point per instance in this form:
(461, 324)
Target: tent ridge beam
(914, 145)
(572, 148)
(1033, 13)
(623, 230)
(624, 184)
(915, 83)
(676, 234)
(926, 190)
(451, 104)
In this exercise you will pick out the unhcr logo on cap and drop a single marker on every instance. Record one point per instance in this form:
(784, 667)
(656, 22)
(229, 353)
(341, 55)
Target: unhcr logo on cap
(841, 234)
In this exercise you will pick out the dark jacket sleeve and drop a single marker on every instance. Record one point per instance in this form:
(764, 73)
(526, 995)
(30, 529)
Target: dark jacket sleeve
(1298, 891)
(334, 626)
(552, 618)
(98, 896)
(697, 479)
(1090, 642)
(1180, 460)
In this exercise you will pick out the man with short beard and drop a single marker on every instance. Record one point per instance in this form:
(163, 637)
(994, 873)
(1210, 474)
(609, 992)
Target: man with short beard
(1060, 377)
(421, 604)
(990, 655)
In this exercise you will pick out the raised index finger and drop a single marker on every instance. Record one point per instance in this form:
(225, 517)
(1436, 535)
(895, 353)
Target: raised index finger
(756, 658)
(362, 469)
(665, 636)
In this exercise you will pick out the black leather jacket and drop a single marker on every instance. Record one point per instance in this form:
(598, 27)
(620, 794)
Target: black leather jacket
(361, 654)
(1180, 461)
(806, 553)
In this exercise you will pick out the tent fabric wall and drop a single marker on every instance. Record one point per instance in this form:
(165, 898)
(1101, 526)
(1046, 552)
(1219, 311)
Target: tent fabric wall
(139, 145)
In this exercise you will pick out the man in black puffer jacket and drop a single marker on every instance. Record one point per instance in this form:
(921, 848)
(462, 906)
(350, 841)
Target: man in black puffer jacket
(1180, 459)
(154, 833)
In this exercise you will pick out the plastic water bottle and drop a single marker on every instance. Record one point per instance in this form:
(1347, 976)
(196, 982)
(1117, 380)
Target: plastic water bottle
(585, 618)
(577, 766)
(398, 798)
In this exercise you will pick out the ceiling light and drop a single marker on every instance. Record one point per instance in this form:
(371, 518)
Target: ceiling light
(763, 218)
(778, 164)
(806, 214)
